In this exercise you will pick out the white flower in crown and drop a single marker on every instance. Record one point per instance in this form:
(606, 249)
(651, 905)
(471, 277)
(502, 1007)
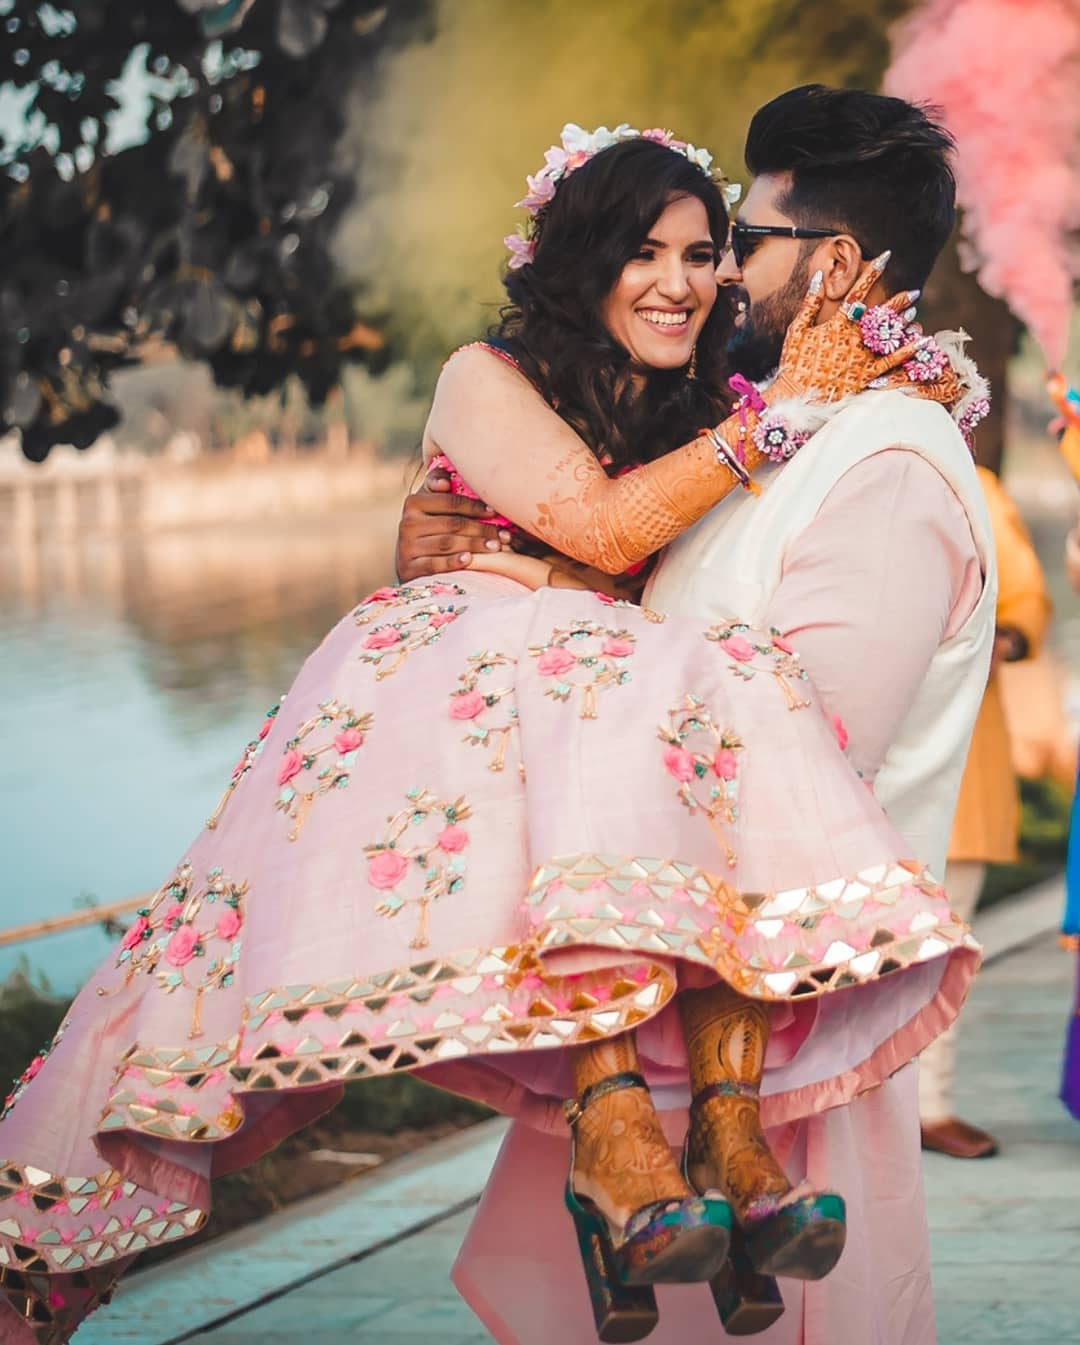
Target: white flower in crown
(732, 193)
(701, 157)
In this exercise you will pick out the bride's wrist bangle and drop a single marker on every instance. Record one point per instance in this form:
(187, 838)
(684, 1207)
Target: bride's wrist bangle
(726, 457)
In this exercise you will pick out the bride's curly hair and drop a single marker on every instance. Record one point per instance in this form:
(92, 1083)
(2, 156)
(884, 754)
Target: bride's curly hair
(595, 223)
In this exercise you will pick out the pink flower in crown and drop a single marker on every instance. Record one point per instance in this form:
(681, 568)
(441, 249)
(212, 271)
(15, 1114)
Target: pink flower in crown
(453, 840)
(384, 594)
(725, 764)
(738, 648)
(229, 922)
(541, 190)
(467, 705)
(555, 160)
(555, 661)
(386, 868)
(522, 251)
(882, 330)
(658, 136)
(679, 762)
(348, 740)
(841, 733)
(615, 648)
(292, 763)
(181, 947)
(135, 933)
(385, 638)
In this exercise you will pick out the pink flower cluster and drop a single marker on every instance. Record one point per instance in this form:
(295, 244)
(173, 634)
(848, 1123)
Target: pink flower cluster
(927, 364)
(883, 330)
(773, 437)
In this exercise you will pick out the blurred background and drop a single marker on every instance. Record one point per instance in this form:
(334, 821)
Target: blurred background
(239, 238)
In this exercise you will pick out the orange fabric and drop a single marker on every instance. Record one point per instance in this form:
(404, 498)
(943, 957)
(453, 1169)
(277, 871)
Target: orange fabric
(987, 819)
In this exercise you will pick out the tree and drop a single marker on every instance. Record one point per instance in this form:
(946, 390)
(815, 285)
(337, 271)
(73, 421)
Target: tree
(204, 219)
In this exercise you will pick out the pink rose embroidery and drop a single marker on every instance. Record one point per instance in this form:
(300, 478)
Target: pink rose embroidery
(614, 648)
(441, 589)
(267, 725)
(841, 733)
(555, 661)
(453, 839)
(383, 639)
(135, 933)
(783, 645)
(228, 925)
(291, 764)
(738, 648)
(348, 740)
(181, 947)
(441, 618)
(175, 912)
(384, 594)
(386, 868)
(466, 706)
(240, 767)
(679, 762)
(725, 764)
(31, 1071)
(605, 598)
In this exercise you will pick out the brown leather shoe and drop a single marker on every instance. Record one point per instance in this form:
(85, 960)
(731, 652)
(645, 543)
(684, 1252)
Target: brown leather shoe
(957, 1139)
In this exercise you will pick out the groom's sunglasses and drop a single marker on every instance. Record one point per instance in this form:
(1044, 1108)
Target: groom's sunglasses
(744, 238)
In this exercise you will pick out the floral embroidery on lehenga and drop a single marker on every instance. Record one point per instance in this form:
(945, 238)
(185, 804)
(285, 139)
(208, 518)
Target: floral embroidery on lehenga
(181, 925)
(703, 758)
(585, 657)
(348, 730)
(750, 657)
(414, 848)
(471, 705)
(247, 760)
(387, 643)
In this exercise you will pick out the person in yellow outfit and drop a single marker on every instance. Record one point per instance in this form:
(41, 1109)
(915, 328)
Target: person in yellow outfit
(987, 821)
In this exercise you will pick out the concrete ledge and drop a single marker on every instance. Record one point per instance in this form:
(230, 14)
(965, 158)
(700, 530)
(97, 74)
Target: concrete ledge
(232, 1275)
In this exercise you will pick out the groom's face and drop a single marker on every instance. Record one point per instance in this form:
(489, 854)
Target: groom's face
(769, 285)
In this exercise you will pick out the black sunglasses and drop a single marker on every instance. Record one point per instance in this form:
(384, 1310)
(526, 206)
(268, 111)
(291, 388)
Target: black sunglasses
(744, 238)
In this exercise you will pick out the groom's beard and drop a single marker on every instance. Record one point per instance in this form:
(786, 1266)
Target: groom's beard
(755, 346)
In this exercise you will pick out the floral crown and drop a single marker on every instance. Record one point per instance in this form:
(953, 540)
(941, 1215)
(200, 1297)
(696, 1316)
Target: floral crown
(577, 148)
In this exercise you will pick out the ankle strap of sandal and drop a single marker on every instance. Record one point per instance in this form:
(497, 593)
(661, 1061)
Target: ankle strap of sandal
(725, 1088)
(611, 1083)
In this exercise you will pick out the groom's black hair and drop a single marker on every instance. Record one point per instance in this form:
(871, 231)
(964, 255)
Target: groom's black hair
(879, 168)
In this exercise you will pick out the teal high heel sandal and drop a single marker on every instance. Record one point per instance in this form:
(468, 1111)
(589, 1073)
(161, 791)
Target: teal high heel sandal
(665, 1242)
(801, 1239)
(747, 1301)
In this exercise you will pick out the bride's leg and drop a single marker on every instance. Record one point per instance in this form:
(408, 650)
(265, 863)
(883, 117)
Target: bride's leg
(626, 1181)
(622, 1159)
(726, 1035)
(785, 1231)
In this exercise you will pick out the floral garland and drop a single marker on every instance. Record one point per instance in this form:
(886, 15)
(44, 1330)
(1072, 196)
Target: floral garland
(577, 147)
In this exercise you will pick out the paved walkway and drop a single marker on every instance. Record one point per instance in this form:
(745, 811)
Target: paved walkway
(1006, 1231)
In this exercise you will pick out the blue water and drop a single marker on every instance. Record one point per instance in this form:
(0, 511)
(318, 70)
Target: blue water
(129, 683)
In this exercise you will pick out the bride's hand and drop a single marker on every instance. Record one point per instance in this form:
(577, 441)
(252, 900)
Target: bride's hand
(831, 360)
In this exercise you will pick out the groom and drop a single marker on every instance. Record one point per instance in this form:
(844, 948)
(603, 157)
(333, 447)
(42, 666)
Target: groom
(870, 551)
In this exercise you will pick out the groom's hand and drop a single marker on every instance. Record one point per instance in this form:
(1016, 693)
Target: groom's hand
(440, 532)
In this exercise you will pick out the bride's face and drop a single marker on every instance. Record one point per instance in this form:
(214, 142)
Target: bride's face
(658, 306)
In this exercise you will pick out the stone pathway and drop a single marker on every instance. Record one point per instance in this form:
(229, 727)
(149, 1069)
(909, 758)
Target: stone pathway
(1005, 1231)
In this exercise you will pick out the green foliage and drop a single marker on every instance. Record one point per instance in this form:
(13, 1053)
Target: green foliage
(401, 1101)
(30, 1016)
(1044, 838)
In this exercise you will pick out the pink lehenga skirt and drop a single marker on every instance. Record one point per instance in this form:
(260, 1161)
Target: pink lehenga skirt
(483, 826)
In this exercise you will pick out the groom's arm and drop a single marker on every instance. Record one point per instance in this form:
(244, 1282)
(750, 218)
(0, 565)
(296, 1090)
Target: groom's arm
(886, 571)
